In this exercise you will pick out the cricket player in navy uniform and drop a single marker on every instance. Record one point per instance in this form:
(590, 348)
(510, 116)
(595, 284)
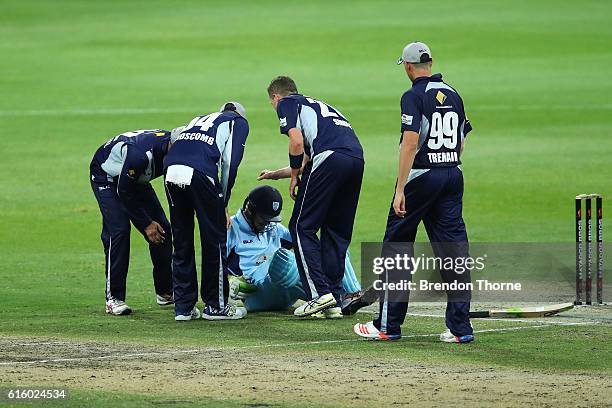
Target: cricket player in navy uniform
(201, 168)
(263, 270)
(121, 171)
(429, 188)
(324, 148)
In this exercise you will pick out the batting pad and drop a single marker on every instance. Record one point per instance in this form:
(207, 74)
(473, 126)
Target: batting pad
(349, 281)
(283, 269)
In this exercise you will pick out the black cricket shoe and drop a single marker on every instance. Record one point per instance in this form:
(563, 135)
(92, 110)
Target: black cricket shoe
(355, 301)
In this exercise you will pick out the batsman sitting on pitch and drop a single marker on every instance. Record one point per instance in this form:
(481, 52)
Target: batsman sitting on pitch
(121, 171)
(429, 188)
(265, 274)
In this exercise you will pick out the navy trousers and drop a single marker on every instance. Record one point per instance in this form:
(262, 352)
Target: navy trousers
(434, 197)
(116, 240)
(326, 202)
(204, 198)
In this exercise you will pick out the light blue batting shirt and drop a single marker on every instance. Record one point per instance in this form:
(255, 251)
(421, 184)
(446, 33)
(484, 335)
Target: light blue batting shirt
(249, 253)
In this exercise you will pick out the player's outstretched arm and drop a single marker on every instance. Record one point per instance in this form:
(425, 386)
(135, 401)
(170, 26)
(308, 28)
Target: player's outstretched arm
(278, 174)
(282, 173)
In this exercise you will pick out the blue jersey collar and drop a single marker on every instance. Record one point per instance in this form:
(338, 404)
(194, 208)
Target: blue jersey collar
(433, 78)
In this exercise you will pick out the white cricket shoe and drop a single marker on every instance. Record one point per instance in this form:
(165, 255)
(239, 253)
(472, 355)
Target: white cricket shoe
(331, 313)
(117, 307)
(316, 305)
(229, 312)
(370, 332)
(448, 337)
(164, 300)
(194, 315)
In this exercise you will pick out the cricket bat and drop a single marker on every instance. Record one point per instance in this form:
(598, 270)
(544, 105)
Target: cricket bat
(537, 311)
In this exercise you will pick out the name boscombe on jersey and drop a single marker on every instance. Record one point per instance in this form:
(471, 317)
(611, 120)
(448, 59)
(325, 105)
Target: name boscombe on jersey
(213, 145)
(435, 111)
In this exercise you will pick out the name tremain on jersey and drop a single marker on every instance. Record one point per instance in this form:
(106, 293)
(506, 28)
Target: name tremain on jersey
(443, 157)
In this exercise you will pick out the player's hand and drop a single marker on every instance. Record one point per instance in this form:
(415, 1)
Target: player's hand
(295, 182)
(267, 175)
(155, 233)
(399, 204)
(228, 219)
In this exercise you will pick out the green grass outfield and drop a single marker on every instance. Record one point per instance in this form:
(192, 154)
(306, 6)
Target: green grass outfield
(534, 76)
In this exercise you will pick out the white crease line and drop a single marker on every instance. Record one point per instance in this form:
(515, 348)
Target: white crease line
(196, 110)
(262, 346)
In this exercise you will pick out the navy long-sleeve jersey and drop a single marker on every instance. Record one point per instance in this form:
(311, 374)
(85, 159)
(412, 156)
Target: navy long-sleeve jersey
(129, 162)
(323, 127)
(435, 111)
(213, 145)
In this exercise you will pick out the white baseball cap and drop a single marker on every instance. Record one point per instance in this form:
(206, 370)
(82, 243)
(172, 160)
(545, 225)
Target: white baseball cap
(415, 53)
(174, 134)
(234, 106)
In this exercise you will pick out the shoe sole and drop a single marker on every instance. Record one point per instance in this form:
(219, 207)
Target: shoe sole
(322, 316)
(369, 296)
(380, 337)
(330, 303)
(459, 340)
(186, 318)
(164, 303)
(123, 313)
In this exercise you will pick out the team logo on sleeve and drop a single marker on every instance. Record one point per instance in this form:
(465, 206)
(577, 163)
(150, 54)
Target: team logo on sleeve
(406, 119)
(283, 122)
